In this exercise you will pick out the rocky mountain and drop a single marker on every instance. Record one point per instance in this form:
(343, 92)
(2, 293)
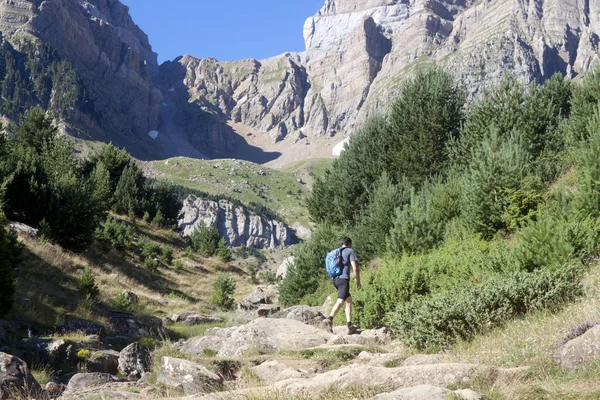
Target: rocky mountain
(236, 224)
(357, 53)
(99, 75)
(109, 54)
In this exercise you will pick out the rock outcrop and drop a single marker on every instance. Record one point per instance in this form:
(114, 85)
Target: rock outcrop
(236, 224)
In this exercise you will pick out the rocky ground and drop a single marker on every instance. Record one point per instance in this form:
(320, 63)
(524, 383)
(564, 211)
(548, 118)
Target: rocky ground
(280, 355)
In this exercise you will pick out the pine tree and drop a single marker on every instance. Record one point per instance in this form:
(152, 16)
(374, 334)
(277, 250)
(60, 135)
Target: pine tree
(496, 165)
(125, 199)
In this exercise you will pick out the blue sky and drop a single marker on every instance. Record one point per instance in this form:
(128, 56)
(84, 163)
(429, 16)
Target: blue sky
(226, 30)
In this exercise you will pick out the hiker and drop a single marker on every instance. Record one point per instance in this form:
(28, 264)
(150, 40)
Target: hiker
(342, 284)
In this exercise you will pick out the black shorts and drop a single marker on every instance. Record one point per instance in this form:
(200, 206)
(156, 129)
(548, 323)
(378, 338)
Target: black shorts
(343, 287)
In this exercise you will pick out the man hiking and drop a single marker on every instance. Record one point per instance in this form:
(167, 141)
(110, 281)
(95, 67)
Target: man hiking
(342, 284)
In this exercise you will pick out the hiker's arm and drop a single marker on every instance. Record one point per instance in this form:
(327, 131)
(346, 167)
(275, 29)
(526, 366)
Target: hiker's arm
(356, 273)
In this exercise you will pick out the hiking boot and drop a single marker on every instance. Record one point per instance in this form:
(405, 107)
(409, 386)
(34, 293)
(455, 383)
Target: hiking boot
(327, 325)
(352, 330)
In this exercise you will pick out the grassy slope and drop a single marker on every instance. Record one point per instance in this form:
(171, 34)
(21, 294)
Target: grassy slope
(47, 291)
(532, 341)
(242, 180)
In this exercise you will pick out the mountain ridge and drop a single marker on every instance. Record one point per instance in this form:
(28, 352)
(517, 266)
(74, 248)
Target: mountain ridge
(295, 105)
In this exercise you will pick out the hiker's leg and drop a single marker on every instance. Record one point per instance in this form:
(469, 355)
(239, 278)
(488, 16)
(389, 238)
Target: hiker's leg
(349, 309)
(336, 307)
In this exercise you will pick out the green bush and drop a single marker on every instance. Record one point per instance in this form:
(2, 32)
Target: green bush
(166, 255)
(437, 321)
(409, 144)
(223, 290)
(115, 233)
(223, 251)
(122, 302)
(149, 249)
(462, 258)
(375, 223)
(205, 240)
(87, 284)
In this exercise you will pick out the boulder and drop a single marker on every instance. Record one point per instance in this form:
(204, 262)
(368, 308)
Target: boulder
(309, 315)
(582, 350)
(266, 310)
(198, 319)
(428, 392)
(106, 361)
(254, 300)
(60, 354)
(275, 371)
(283, 268)
(190, 377)
(23, 229)
(134, 360)
(90, 380)
(132, 297)
(266, 335)
(15, 377)
(126, 324)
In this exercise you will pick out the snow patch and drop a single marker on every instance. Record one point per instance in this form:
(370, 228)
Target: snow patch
(153, 134)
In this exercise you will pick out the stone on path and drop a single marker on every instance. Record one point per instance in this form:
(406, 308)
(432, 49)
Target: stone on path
(190, 377)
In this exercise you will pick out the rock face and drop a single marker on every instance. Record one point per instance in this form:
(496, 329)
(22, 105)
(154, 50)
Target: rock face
(15, 377)
(358, 53)
(192, 378)
(112, 57)
(236, 224)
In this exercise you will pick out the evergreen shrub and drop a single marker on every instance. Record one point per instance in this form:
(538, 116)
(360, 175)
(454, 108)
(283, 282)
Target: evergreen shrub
(437, 321)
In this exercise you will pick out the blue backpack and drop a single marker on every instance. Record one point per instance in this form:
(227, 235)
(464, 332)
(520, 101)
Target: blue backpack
(334, 262)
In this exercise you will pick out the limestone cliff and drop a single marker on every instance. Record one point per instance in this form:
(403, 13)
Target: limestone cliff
(236, 224)
(358, 52)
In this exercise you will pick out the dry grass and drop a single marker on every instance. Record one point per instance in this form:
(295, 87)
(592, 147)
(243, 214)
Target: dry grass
(48, 293)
